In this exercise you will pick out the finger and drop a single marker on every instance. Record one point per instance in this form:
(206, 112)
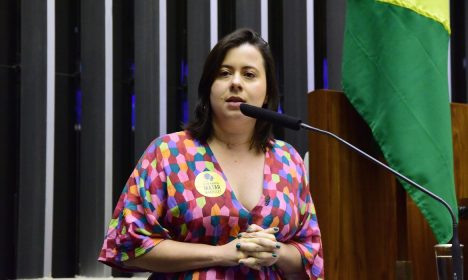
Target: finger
(260, 234)
(254, 228)
(251, 262)
(272, 230)
(270, 245)
(264, 258)
(257, 245)
(264, 242)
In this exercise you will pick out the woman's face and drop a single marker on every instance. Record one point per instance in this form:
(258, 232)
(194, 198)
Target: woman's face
(240, 78)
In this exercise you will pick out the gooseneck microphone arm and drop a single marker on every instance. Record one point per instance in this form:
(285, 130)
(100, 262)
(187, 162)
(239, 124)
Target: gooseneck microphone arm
(401, 176)
(296, 124)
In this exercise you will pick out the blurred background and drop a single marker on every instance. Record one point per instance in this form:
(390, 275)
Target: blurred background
(85, 85)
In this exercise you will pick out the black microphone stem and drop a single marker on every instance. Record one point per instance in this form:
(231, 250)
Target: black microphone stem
(456, 252)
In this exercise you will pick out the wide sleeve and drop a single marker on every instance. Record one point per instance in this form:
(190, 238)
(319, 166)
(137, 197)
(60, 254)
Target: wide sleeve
(135, 225)
(308, 239)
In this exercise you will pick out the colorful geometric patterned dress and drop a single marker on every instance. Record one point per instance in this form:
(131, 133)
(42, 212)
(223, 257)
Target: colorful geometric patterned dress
(178, 191)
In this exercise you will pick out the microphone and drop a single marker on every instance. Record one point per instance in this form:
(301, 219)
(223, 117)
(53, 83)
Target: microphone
(296, 124)
(270, 116)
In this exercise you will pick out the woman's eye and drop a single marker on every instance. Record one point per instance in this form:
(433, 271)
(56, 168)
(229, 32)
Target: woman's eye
(250, 75)
(224, 73)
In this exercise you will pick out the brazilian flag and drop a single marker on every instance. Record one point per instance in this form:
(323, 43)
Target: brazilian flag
(395, 74)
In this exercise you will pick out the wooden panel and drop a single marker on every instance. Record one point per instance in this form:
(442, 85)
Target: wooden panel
(460, 151)
(420, 237)
(364, 232)
(460, 147)
(355, 198)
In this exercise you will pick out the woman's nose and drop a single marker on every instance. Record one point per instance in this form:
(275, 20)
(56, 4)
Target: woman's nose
(236, 82)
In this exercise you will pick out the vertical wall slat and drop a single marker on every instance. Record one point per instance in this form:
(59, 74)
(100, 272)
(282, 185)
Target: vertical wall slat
(146, 74)
(466, 50)
(264, 19)
(198, 45)
(295, 68)
(108, 112)
(248, 14)
(93, 138)
(310, 46)
(335, 22)
(320, 44)
(9, 99)
(31, 195)
(123, 88)
(458, 56)
(226, 17)
(123, 63)
(65, 236)
(213, 23)
(176, 63)
(162, 58)
(50, 139)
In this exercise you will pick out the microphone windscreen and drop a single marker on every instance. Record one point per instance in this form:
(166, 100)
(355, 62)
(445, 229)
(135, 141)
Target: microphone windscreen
(270, 116)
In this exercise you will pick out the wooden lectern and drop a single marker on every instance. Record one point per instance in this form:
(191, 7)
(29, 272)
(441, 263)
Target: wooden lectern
(370, 228)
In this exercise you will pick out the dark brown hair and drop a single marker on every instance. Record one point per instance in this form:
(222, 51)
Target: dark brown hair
(201, 128)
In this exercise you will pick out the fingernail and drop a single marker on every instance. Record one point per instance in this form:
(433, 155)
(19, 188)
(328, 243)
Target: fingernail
(238, 246)
(277, 245)
(239, 235)
(274, 255)
(276, 229)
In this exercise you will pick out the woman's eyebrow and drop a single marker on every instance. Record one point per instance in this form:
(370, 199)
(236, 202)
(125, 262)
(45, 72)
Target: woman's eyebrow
(243, 67)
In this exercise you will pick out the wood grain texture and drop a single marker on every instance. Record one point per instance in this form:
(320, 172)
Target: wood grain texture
(355, 198)
(370, 227)
(420, 237)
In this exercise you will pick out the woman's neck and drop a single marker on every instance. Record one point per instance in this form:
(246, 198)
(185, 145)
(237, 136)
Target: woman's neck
(236, 141)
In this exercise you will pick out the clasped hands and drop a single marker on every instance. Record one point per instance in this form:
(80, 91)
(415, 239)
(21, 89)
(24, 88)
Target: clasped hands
(256, 247)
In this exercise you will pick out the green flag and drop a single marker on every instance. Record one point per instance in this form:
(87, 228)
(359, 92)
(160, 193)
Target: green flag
(395, 75)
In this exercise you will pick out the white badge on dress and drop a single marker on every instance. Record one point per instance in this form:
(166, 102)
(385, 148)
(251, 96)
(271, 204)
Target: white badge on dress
(210, 184)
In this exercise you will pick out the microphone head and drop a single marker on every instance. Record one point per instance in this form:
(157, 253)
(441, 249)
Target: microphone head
(270, 116)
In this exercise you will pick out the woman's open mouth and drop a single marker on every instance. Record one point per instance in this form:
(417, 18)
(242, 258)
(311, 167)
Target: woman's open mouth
(235, 101)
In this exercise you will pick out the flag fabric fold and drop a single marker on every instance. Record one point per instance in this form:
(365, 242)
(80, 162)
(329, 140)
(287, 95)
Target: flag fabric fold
(395, 74)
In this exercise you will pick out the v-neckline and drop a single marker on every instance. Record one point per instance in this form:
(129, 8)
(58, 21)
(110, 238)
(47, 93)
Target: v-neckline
(218, 167)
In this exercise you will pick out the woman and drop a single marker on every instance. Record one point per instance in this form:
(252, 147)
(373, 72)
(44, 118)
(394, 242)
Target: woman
(221, 199)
